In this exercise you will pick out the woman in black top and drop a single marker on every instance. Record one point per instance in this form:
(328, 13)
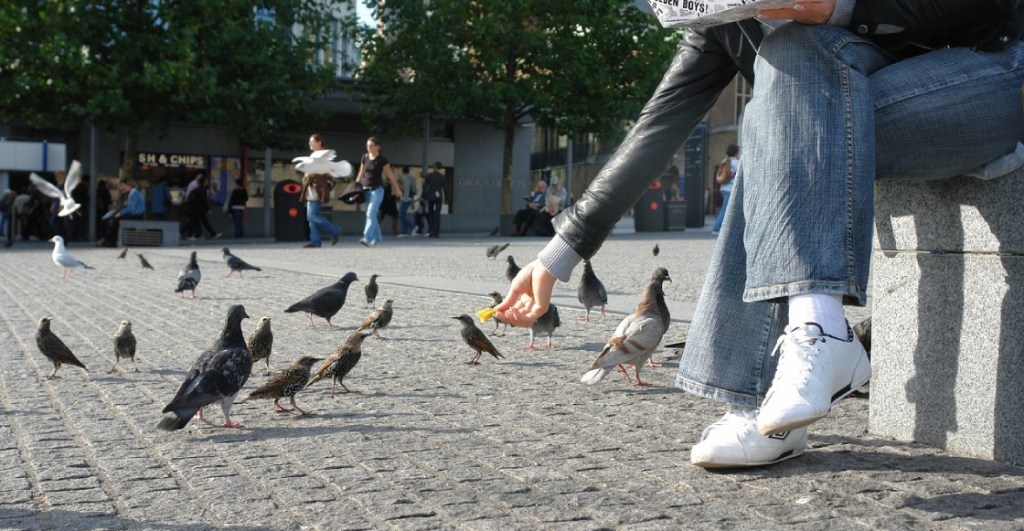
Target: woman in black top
(372, 169)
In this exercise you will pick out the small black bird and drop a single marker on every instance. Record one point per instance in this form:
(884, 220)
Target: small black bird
(656, 250)
(545, 324)
(341, 362)
(494, 250)
(261, 342)
(144, 262)
(371, 289)
(286, 384)
(124, 345)
(496, 299)
(380, 318)
(124, 252)
(189, 277)
(53, 348)
(475, 338)
(590, 290)
(325, 302)
(216, 376)
(512, 270)
(236, 264)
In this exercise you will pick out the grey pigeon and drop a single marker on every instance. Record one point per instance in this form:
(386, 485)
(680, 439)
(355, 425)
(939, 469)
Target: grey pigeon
(371, 289)
(341, 361)
(144, 262)
(216, 376)
(124, 345)
(286, 384)
(53, 348)
(545, 324)
(656, 250)
(496, 299)
(325, 302)
(476, 339)
(189, 277)
(637, 335)
(261, 342)
(512, 269)
(236, 264)
(590, 290)
(863, 332)
(63, 258)
(380, 318)
(124, 253)
(494, 250)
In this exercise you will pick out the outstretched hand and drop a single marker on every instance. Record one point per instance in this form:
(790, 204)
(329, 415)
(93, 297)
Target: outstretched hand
(803, 11)
(528, 296)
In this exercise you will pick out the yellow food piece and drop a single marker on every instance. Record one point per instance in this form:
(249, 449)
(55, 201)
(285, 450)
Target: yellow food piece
(485, 314)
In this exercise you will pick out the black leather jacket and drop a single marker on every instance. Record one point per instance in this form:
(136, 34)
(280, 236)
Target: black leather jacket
(705, 63)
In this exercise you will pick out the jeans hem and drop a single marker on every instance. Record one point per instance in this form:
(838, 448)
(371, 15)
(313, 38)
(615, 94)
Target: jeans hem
(850, 293)
(717, 394)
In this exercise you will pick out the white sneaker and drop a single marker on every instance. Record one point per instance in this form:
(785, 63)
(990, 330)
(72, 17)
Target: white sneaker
(733, 441)
(815, 371)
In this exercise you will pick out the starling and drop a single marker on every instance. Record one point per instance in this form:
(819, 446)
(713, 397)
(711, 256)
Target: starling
(656, 250)
(216, 376)
(63, 258)
(189, 277)
(637, 335)
(261, 342)
(494, 250)
(496, 299)
(545, 324)
(144, 262)
(286, 384)
(124, 253)
(512, 270)
(475, 338)
(124, 345)
(590, 291)
(380, 318)
(326, 302)
(371, 289)
(236, 264)
(341, 362)
(53, 348)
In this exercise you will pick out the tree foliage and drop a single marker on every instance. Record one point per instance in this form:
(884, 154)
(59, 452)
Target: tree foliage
(579, 67)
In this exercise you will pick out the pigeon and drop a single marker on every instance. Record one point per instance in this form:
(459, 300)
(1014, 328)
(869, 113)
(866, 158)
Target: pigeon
(512, 270)
(863, 333)
(475, 338)
(217, 375)
(494, 250)
(590, 291)
(380, 318)
(261, 342)
(286, 383)
(189, 277)
(545, 324)
(64, 259)
(496, 299)
(656, 250)
(322, 161)
(326, 302)
(341, 362)
(144, 262)
(68, 205)
(53, 348)
(124, 345)
(236, 263)
(637, 335)
(371, 289)
(124, 253)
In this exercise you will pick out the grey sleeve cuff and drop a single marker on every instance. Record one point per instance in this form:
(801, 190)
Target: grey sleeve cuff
(842, 13)
(559, 259)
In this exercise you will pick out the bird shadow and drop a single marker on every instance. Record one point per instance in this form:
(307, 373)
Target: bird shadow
(530, 364)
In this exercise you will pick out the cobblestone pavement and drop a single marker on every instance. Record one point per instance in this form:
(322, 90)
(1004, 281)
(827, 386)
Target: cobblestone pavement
(424, 441)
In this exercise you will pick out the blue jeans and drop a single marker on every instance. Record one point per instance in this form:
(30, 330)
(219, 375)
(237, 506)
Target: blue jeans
(237, 216)
(830, 113)
(318, 222)
(721, 211)
(404, 217)
(371, 231)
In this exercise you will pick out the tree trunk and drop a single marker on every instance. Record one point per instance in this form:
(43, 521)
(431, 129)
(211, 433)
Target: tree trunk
(506, 165)
(131, 154)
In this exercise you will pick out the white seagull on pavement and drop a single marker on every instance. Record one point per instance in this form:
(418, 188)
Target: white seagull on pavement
(64, 259)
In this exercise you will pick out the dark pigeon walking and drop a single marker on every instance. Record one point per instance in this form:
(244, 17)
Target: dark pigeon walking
(341, 361)
(512, 270)
(545, 324)
(236, 264)
(371, 289)
(53, 348)
(261, 342)
(124, 253)
(379, 319)
(189, 277)
(475, 338)
(216, 376)
(657, 250)
(286, 384)
(326, 302)
(494, 250)
(124, 345)
(590, 290)
(144, 262)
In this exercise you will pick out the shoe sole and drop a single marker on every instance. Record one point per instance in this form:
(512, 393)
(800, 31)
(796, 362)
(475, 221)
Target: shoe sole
(836, 397)
(783, 457)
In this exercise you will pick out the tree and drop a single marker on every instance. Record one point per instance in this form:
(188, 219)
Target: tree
(581, 67)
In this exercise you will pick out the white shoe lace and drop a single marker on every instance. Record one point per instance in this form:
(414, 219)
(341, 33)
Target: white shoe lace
(797, 354)
(735, 416)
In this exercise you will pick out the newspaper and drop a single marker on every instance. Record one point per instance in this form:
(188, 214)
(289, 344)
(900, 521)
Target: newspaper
(706, 13)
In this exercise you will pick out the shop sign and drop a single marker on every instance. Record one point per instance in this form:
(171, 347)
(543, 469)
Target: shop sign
(172, 160)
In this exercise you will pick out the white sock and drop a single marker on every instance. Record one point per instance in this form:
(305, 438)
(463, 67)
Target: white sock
(825, 310)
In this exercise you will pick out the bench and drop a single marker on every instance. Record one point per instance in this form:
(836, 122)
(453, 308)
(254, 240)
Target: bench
(142, 233)
(948, 315)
